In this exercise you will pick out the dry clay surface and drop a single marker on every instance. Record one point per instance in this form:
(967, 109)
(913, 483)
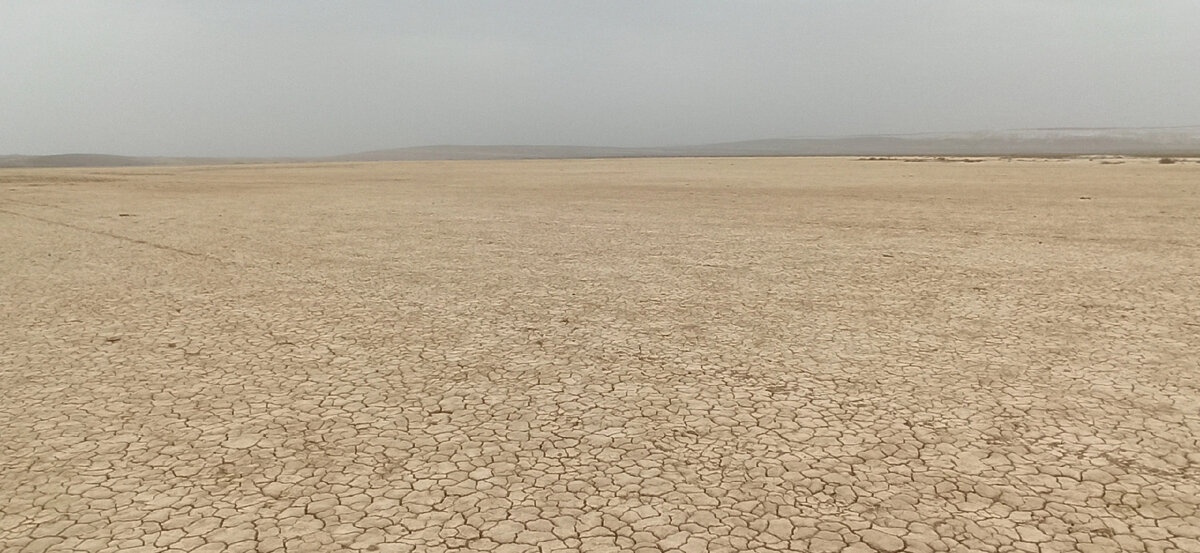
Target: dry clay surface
(619, 355)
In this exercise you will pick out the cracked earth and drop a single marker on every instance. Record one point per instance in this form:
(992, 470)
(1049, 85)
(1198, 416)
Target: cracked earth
(617, 355)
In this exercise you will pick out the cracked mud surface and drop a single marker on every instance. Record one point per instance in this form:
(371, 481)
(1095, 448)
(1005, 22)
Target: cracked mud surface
(620, 355)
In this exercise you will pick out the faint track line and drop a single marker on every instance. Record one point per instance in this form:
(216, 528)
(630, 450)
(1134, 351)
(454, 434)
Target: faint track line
(109, 234)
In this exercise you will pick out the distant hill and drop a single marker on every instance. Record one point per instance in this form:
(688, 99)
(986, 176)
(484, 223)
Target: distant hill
(105, 160)
(1156, 141)
(491, 152)
(1177, 141)
(72, 160)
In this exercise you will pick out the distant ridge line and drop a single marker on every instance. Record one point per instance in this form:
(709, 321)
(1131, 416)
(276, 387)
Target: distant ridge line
(996, 131)
(1179, 141)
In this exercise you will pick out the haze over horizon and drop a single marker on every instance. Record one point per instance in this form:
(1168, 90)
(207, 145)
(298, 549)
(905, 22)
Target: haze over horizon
(311, 78)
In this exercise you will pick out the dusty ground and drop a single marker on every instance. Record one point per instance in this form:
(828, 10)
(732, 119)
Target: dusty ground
(636, 355)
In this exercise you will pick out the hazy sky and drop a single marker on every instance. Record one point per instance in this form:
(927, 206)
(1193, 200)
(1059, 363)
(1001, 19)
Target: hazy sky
(264, 78)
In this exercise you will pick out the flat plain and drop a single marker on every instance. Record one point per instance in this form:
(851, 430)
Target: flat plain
(651, 355)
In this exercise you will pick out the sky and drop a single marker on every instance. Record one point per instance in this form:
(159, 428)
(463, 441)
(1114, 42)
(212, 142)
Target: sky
(307, 78)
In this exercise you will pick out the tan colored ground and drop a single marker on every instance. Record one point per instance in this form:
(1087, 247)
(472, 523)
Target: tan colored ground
(636, 355)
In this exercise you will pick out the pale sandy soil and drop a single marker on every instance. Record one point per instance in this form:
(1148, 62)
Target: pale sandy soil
(634, 355)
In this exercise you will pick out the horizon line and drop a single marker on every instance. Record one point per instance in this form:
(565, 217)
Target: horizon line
(570, 145)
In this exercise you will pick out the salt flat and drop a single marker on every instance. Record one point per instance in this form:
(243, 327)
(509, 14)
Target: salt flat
(602, 355)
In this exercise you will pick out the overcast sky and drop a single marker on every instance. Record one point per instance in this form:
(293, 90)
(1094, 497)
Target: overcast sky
(259, 78)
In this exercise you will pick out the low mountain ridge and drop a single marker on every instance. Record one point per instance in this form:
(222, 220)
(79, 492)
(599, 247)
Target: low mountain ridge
(1175, 141)
(1150, 141)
